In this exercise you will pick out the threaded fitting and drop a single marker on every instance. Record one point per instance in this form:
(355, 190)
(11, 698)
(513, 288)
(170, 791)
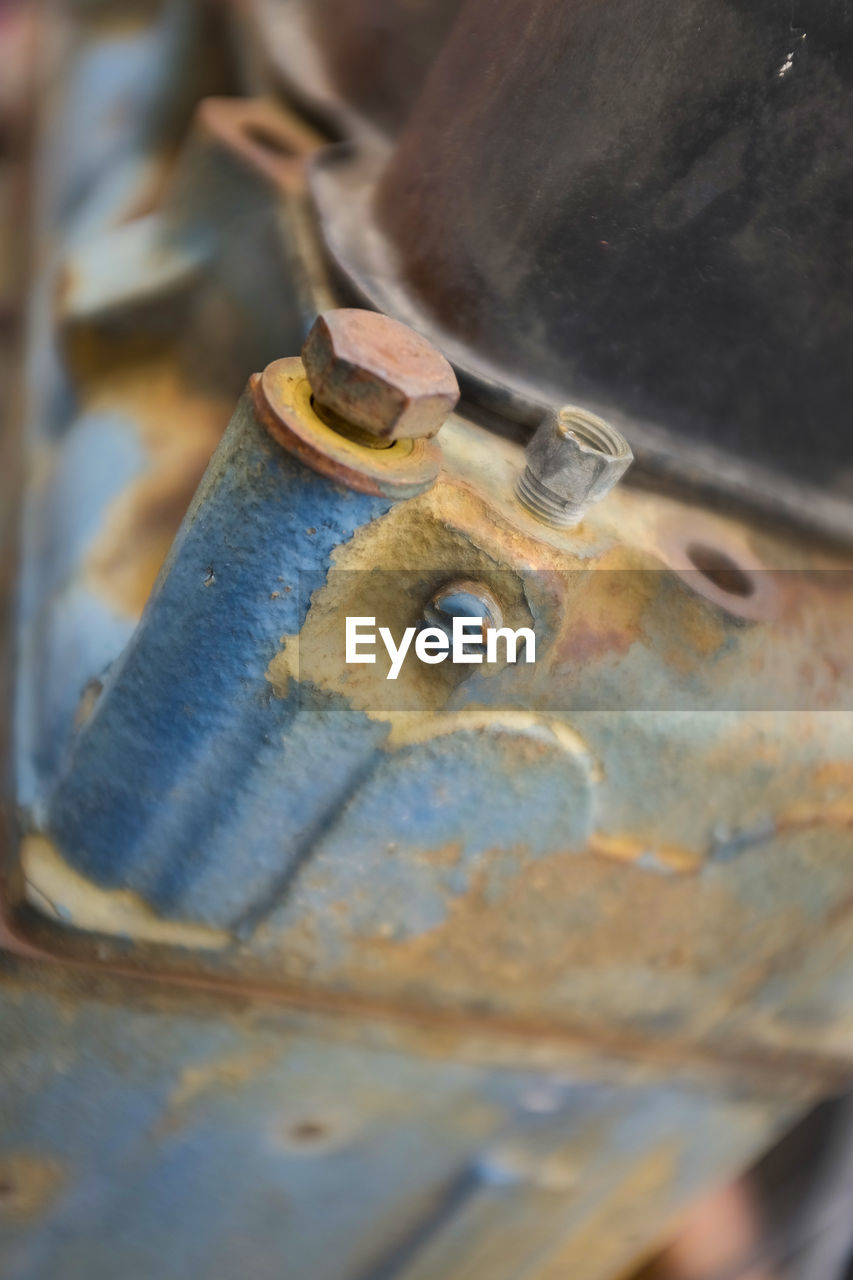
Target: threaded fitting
(572, 461)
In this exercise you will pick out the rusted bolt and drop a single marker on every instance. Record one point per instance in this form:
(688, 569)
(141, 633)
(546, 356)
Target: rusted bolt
(572, 461)
(371, 374)
(463, 599)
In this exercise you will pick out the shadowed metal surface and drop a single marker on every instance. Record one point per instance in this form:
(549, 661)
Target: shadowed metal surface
(643, 210)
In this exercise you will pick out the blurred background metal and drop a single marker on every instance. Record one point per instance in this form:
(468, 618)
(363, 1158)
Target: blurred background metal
(641, 208)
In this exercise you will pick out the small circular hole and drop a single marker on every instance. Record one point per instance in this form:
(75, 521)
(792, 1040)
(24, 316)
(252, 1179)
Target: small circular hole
(721, 570)
(271, 141)
(581, 432)
(308, 1131)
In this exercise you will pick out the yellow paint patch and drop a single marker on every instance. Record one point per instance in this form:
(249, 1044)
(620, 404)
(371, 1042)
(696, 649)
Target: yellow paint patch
(51, 884)
(626, 848)
(835, 774)
(284, 667)
(408, 728)
(799, 817)
(695, 630)
(625, 1221)
(179, 431)
(226, 1073)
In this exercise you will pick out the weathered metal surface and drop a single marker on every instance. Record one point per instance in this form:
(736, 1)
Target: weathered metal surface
(665, 875)
(162, 319)
(259, 534)
(119, 94)
(540, 842)
(187, 711)
(283, 402)
(208, 271)
(356, 64)
(628, 864)
(685, 214)
(635, 214)
(145, 1134)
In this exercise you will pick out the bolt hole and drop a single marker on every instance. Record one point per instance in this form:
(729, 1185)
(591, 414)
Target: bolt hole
(721, 570)
(307, 1131)
(463, 600)
(263, 136)
(7, 1190)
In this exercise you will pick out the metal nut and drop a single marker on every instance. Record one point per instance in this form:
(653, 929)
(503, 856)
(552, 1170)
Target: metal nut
(573, 460)
(372, 373)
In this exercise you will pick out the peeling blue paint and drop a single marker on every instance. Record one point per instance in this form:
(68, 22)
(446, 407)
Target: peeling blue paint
(188, 713)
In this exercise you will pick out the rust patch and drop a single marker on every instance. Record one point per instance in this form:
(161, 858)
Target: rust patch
(283, 403)
(807, 815)
(378, 375)
(28, 1184)
(215, 1077)
(835, 774)
(604, 615)
(699, 628)
(447, 856)
(567, 914)
(270, 141)
(179, 431)
(223, 1074)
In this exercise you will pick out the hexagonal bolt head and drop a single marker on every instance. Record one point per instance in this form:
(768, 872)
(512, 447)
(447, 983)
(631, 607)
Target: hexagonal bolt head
(372, 373)
(573, 459)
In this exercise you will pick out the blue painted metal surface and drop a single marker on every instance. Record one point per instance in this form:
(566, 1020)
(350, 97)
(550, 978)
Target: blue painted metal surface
(188, 714)
(122, 99)
(150, 1139)
(113, 282)
(491, 855)
(430, 827)
(67, 635)
(128, 89)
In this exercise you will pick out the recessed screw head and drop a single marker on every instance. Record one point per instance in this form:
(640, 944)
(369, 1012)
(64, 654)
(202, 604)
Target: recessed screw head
(573, 460)
(463, 599)
(372, 373)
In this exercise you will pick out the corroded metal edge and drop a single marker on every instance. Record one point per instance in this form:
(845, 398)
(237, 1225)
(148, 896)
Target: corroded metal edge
(281, 396)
